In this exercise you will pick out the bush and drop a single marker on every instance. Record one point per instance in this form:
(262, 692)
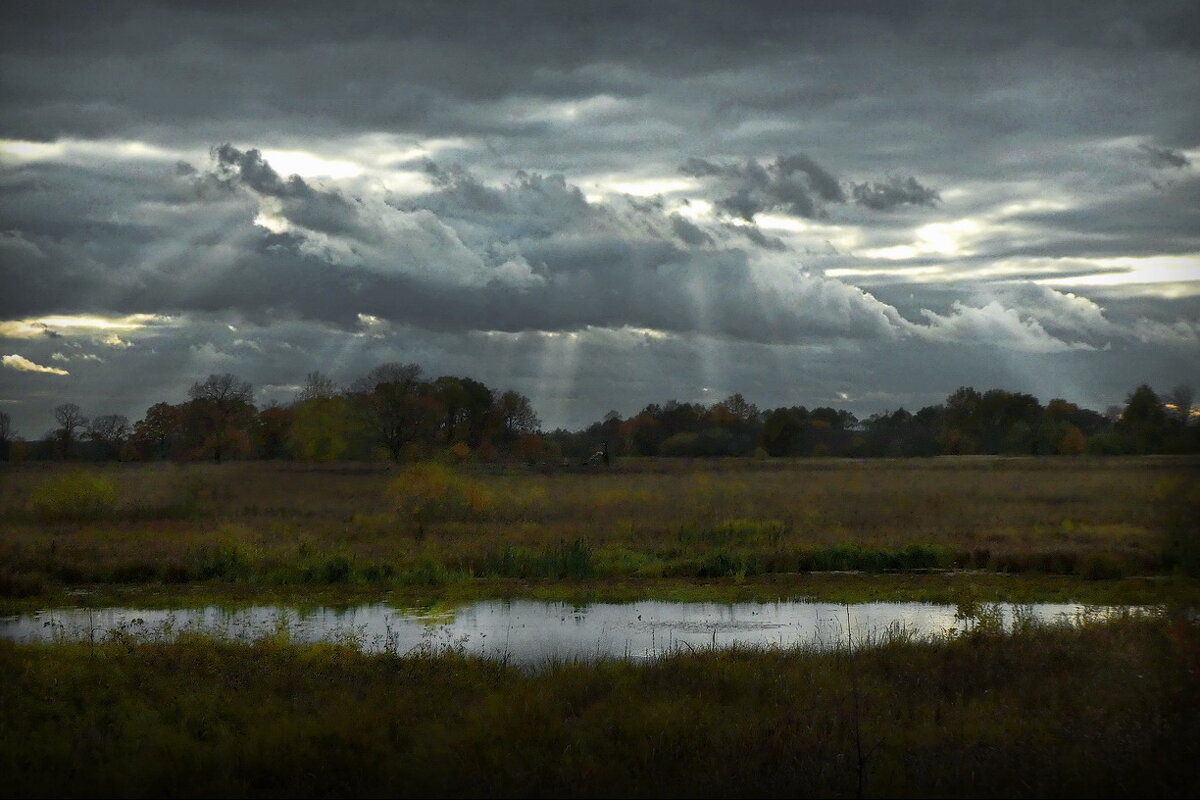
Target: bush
(1179, 504)
(1102, 566)
(74, 496)
(227, 561)
(725, 564)
(428, 491)
(427, 571)
(854, 557)
(333, 568)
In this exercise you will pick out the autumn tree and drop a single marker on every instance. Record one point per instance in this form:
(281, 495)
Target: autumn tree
(395, 406)
(222, 405)
(271, 431)
(321, 423)
(158, 430)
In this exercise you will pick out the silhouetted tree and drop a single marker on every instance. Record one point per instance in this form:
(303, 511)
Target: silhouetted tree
(109, 432)
(781, 433)
(6, 436)
(70, 419)
(1180, 400)
(1144, 419)
(316, 386)
(515, 416)
(453, 398)
(961, 421)
(477, 412)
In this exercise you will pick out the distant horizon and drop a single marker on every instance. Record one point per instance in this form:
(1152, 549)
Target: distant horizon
(344, 388)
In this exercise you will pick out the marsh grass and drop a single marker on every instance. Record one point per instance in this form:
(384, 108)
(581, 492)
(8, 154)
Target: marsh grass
(280, 524)
(1103, 709)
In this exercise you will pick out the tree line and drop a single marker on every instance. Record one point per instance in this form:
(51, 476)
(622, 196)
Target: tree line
(393, 412)
(968, 422)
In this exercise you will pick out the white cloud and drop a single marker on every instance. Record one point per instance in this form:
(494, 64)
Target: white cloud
(993, 324)
(22, 364)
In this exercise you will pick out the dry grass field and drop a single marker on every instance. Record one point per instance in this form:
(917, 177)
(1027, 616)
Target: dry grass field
(282, 523)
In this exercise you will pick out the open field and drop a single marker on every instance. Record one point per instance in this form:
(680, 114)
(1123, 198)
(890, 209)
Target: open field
(644, 528)
(1108, 709)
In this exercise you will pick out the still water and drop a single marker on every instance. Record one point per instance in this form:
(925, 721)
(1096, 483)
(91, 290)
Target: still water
(530, 633)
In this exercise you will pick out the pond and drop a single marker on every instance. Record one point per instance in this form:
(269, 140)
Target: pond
(529, 633)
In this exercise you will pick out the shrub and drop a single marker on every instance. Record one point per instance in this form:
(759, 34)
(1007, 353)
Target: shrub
(1179, 503)
(1102, 566)
(227, 561)
(76, 496)
(851, 556)
(1073, 442)
(20, 585)
(725, 564)
(426, 491)
(429, 571)
(333, 568)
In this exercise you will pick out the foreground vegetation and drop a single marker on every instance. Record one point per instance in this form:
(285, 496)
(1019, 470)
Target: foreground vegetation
(703, 529)
(1108, 709)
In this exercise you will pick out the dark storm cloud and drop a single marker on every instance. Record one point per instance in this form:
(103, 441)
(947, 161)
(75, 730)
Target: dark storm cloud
(1164, 157)
(755, 235)
(688, 232)
(799, 186)
(691, 70)
(785, 185)
(893, 192)
(819, 181)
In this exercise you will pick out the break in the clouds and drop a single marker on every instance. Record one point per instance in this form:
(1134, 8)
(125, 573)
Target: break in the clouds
(859, 205)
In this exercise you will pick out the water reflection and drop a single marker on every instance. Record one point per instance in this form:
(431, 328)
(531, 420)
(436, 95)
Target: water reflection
(528, 632)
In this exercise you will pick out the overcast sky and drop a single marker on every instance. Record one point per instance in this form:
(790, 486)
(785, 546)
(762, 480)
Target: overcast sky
(599, 205)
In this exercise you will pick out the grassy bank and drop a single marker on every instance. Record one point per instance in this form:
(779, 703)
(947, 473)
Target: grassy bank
(371, 529)
(942, 588)
(1111, 709)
